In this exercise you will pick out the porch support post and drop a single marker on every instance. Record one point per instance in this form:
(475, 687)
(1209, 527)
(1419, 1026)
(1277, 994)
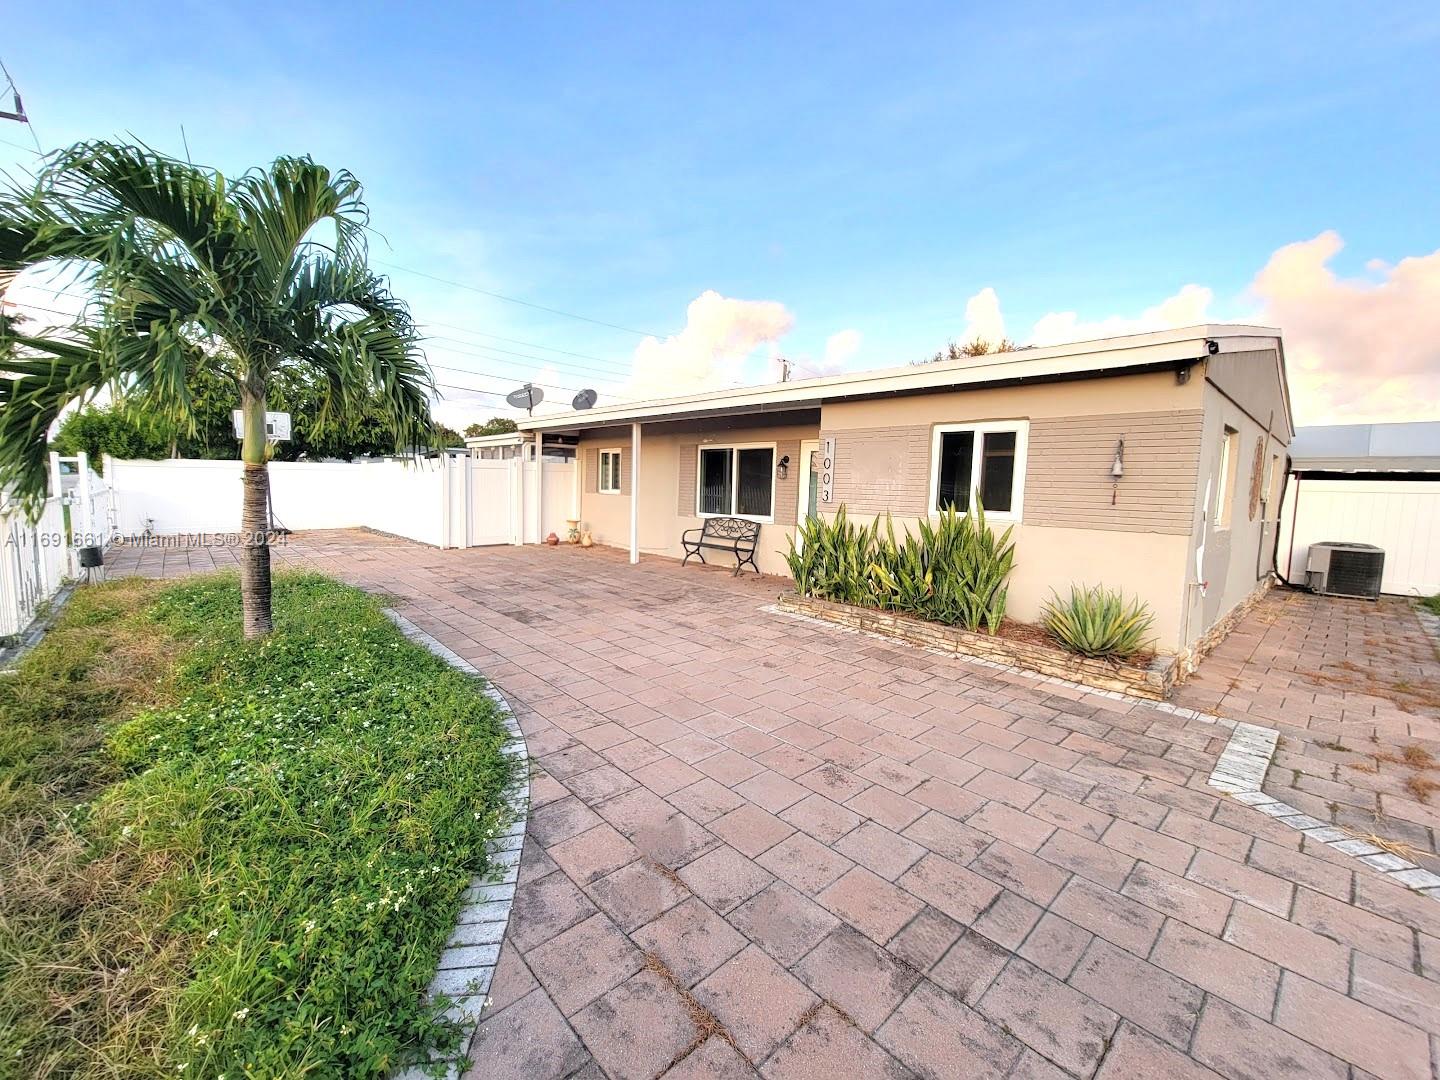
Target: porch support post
(634, 493)
(539, 489)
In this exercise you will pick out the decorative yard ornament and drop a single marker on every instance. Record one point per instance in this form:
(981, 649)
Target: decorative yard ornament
(1257, 476)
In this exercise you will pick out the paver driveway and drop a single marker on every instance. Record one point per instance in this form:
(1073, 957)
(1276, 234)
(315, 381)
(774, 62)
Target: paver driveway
(761, 844)
(1354, 688)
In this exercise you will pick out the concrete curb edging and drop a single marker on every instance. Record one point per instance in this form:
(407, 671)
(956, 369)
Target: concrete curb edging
(1240, 774)
(467, 964)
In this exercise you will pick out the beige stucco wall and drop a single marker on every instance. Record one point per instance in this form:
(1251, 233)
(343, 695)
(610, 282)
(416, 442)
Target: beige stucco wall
(1232, 560)
(668, 457)
(1071, 531)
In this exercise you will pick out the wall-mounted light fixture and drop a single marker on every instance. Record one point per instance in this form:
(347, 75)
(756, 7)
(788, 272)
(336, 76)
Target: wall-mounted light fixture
(1117, 470)
(783, 469)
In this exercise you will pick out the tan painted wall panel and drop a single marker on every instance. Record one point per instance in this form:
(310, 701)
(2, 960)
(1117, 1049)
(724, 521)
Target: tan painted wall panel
(1068, 481)
(881, 468)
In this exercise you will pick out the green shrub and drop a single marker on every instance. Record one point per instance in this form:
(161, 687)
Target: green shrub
(953, 571)
(833, 559)
(1098, 622)
(1431, 604)
(274, 854)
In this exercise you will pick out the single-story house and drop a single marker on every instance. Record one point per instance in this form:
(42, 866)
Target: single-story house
(1368, 484)
(1150, 463)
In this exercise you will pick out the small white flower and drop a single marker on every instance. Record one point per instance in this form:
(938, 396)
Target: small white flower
(309, 926)
(213, 934)
(240, 1014)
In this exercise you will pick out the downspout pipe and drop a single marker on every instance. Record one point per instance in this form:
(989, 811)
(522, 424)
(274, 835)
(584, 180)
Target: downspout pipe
(1275, 555)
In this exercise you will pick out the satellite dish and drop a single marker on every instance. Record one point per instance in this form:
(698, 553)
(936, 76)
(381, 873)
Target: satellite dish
(585, 399)
(527, 397)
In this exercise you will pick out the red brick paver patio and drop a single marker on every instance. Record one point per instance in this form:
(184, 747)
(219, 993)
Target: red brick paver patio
(1354, 688)
(762, 845)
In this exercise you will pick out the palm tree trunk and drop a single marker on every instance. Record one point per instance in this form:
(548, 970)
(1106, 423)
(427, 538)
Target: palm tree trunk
(255, 517)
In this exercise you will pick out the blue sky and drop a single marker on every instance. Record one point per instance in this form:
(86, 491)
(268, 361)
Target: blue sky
(861, 171)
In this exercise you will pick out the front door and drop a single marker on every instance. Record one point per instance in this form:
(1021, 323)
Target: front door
(809, 495)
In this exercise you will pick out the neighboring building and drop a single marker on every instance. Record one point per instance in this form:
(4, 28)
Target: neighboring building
(1203, 414)
(512, 444)
(1370, 484)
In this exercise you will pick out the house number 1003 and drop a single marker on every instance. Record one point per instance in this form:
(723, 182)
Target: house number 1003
(827, 470)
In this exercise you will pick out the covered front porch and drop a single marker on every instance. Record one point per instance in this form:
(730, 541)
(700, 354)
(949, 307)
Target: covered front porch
(641, 485)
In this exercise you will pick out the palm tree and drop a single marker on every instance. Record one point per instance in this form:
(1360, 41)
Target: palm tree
(192, 270)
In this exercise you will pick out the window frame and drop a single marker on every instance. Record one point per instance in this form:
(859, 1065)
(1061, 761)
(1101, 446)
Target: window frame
(979, 430)
(1226, 477)
(734, 449)
(600, 487)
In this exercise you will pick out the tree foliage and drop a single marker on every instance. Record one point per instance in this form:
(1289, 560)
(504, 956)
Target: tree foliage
(127, 429)
(975, 347)
(242, 277)
(496, 425)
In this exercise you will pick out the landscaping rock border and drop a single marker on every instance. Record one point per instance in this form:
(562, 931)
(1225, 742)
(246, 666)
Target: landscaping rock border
(1153, 683)
(467, 964)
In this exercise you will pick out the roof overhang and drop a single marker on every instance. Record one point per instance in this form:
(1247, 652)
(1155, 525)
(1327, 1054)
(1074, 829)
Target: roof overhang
(1082, 359)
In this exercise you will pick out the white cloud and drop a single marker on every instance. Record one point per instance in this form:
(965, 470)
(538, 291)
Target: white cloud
(840, 349)
(1186, 308)
(1356, 349)
(982, 317)
(720, 334)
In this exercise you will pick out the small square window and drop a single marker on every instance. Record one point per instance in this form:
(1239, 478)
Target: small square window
(609, 472)
(984, 458)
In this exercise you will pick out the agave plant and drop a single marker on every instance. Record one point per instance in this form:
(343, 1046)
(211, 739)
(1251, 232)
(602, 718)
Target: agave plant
(1099, 622)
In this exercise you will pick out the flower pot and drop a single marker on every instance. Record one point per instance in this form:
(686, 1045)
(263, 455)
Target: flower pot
(572, 530)
(552, 540)
(586, 539)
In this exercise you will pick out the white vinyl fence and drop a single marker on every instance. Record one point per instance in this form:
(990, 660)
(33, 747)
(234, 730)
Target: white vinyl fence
(1400, 516)
(446, 502)
(36, 557)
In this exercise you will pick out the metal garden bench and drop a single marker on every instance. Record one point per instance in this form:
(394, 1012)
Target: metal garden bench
(723, 534)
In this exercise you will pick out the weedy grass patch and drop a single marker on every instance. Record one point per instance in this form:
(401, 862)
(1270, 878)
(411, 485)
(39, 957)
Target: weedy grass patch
(220, 857)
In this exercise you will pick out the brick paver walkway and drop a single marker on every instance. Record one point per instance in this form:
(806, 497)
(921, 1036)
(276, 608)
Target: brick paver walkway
(1354, 688)
(759, 844)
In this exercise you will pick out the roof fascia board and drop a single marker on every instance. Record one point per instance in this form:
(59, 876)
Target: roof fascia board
(1119, 353)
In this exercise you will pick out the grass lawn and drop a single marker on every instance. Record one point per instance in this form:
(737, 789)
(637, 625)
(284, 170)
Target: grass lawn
(229, 858)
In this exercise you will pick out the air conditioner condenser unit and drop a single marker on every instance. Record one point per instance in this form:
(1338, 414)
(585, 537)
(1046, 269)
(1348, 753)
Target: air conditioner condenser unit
(1337, 568)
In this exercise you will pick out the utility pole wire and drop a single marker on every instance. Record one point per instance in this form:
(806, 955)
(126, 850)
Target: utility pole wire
(515, 300)
(19, 114)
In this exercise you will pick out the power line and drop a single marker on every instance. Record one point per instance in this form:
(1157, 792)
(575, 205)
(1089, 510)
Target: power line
(618, 368)
(541, 361)
(517, 300)
(607, 374)
(506, 377)
(514, 378)
(19, 113)
(518, 341)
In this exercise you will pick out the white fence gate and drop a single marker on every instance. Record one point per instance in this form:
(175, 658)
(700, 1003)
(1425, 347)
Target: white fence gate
(1400, 516)
(494, 501)
(448, 502)
(37, 556)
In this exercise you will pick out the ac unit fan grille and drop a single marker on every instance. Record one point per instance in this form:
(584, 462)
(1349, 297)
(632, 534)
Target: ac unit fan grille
(1355, 573)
